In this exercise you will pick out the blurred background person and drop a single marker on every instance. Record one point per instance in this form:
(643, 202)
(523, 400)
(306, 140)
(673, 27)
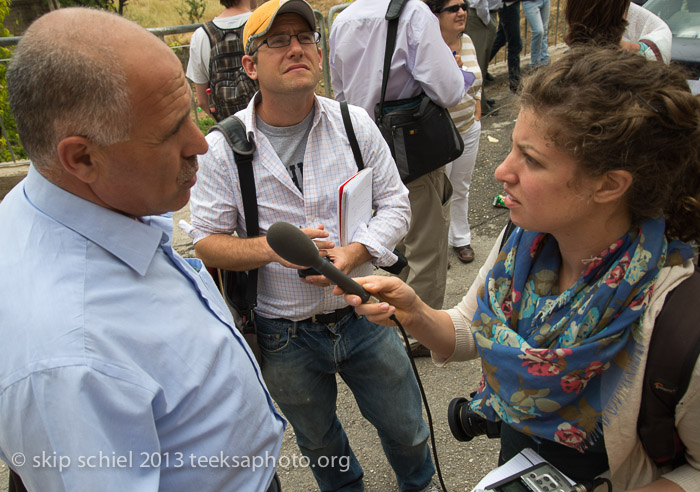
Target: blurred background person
(508, 34)
(467, 115)
(537, 15)
(482, 25)
(618, 22)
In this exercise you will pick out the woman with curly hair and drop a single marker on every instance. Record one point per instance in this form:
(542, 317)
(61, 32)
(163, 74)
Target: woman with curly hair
(603, 184)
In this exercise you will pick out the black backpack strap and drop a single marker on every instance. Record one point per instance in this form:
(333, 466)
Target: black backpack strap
(392, 15)
(510, 227)
(673, 354)
(351, 136)
(234, 132)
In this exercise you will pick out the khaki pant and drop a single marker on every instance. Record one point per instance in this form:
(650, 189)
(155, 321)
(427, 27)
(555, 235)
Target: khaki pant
(425, 244)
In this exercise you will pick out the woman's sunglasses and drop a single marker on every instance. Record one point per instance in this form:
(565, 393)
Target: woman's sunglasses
(453, 9)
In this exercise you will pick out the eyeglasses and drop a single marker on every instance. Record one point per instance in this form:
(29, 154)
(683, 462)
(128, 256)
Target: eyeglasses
(453, 9)
(282, 40)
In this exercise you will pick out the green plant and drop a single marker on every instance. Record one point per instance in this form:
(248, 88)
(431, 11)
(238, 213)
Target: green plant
(204, 121)
(113, 5)
(193, 10)
(10, 146)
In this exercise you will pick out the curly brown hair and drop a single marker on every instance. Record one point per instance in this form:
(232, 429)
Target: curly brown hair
(611, 109)
(599, 22)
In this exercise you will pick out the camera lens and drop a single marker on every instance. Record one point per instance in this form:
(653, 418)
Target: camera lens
(465, 424)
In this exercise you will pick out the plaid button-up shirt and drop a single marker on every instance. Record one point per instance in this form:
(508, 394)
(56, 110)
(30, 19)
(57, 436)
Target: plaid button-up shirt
(217, 206)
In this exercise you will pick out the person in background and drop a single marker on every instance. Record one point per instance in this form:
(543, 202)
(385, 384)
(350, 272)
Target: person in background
(421, 63)
(234, 15)
(466, 116)
(115, 347)
(508, 34)
(481, 27)
(537, 16)
(618, 22)
(603, 182)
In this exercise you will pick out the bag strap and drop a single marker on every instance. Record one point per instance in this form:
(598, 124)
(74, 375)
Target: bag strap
(392, 15)
(234, 132)
(351, 136)
(510, 227)
(666, 377)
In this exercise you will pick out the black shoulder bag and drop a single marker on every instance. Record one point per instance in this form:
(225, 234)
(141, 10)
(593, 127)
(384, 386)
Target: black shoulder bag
(421, 135)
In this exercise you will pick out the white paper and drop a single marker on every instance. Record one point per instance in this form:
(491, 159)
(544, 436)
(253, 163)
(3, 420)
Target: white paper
(354, 204)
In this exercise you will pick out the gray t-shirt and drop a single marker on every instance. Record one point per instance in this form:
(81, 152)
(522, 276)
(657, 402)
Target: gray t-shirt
(290, 144)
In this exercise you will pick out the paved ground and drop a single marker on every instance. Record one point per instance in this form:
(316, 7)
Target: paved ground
(463, 464)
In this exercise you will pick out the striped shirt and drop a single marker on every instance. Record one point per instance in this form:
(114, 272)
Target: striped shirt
(463, 113)
(217, 206)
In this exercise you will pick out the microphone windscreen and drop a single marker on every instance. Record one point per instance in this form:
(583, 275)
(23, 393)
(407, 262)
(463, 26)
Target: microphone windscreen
(292, 244)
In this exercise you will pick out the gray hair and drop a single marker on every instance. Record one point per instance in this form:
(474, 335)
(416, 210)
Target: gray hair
(64, 85)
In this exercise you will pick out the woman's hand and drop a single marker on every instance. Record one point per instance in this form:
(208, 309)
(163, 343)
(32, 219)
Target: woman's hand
(431, 327)
(394, 295)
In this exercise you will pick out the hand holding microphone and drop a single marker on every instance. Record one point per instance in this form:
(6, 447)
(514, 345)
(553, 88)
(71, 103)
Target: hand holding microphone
(292, 245)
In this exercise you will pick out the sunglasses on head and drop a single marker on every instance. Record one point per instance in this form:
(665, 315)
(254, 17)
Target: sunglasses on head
(453, 9)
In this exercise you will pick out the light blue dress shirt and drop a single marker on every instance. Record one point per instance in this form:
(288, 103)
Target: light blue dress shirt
(120, 367)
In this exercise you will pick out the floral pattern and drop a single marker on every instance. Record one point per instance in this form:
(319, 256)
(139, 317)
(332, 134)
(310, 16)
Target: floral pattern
(545, 352)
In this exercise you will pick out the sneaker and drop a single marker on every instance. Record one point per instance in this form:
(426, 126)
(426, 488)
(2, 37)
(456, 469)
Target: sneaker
(433, 486)
(489, 77)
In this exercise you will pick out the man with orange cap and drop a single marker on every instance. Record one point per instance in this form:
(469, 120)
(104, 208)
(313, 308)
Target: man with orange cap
(307, 335)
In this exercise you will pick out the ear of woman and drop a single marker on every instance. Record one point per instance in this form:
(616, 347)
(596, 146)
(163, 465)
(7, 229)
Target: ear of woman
(612, 186)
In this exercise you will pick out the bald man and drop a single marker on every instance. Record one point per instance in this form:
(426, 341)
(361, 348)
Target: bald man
(122, 369)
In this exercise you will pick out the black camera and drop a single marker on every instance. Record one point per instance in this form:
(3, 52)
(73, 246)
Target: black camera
(466, 424)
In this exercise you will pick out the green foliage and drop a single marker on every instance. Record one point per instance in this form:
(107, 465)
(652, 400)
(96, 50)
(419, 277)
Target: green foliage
(113, 5)
(192, 10)
(204, 121)
(8, 122)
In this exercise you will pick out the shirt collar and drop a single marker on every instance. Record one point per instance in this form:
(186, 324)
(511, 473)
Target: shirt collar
(248, 117)
(133, 242)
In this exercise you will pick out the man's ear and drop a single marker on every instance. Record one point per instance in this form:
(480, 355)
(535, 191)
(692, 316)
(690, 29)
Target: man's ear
(77, 158)
(612, 186)
(320, 60)
(250, 67)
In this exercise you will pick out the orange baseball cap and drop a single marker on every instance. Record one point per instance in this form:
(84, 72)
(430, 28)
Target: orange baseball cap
(262, 17)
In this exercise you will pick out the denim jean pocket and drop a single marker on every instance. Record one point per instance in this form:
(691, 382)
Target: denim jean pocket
(273, 337)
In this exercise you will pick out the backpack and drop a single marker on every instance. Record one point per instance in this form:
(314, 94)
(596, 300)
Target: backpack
(673, 353)
(230, 88)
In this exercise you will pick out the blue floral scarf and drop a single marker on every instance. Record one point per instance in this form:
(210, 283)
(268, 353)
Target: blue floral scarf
(542, 351)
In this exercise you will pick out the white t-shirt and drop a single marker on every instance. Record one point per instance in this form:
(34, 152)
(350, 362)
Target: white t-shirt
(200, 48)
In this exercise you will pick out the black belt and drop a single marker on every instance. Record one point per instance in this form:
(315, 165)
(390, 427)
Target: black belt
(328, 318)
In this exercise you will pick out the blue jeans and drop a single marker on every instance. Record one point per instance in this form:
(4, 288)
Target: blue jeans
(299, 363)
(537, 15)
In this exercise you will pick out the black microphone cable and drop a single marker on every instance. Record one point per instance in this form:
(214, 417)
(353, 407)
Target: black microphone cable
(425, 400)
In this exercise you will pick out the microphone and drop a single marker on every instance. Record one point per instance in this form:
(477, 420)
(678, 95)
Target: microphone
(296, 247)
